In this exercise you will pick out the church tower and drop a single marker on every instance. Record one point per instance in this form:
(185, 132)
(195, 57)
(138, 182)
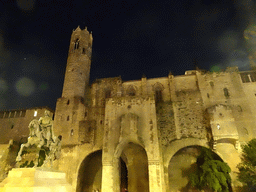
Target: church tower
(71, 107)
(78, 64)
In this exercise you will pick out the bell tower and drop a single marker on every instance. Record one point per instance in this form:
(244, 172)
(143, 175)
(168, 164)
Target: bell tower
(78, 64)
(70, 108)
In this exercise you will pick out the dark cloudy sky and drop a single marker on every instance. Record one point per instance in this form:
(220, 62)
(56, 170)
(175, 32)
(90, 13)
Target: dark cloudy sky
(131, 38)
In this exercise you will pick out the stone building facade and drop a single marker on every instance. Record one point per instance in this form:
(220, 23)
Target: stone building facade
(137, 134)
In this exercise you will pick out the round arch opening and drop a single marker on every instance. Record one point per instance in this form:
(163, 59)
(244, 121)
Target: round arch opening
(90, 173)
(179, 167)
(133, 168)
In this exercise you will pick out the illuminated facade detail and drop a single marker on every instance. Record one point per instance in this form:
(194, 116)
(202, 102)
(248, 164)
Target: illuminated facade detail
(126, 132)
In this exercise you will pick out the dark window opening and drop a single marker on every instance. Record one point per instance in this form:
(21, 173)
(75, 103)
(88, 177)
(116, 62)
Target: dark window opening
(76, 44)
(72, 70)
(226, 93)
(158, 96)
(131, 91)
(212, 84)
(107, 94)
(248, 77)
(67, 118)
(12, 126)
(208, 95)
(68, 102)
(100, 121)
(85, 114)
(84, 51)
(72, 132)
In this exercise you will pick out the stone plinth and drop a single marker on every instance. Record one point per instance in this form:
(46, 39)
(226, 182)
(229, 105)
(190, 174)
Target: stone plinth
(35, 180)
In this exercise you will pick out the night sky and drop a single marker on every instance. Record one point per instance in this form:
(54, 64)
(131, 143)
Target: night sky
(131, 38)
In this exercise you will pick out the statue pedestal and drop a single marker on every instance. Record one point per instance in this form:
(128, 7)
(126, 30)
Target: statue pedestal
(35, 180)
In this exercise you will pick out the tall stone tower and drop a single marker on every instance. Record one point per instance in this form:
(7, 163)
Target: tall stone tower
(70, 108)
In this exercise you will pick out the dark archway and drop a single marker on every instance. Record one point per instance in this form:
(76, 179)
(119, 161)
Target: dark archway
(134, 168)
(180, 165)
(90, 173)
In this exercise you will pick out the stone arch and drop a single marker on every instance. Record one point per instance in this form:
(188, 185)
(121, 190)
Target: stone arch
(120, 147)
(133, 166)
(158, 86)
(131, 90)
(90, 172)
(182, 143)
(158, 92)
(180, 164)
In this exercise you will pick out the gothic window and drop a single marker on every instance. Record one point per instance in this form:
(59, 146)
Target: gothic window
(84, 51)
(158, 88)
(131, 91)
(67, 118)
(107, 93)
(68, 102)
(76, 44)
(248, 77)
(158, 95)
(226, 93)
(72, 132)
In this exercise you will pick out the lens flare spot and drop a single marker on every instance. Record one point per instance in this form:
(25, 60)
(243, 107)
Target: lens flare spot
(215, 68)
(25, 86)
(44, 86)
(3, 86)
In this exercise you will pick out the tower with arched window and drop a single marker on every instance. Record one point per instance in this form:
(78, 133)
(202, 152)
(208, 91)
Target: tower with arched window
(71, 105)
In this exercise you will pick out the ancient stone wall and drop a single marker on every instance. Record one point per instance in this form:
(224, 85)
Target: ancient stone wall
(14, 123)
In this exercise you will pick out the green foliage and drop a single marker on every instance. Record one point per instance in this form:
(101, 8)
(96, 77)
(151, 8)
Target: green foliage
(247, 168)
(210, 172)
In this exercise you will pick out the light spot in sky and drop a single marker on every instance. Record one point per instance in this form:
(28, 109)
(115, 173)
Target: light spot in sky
(3, 86)
(25, 86)
(26, 5)
(228, 41)
(44, 86)
(215, 68)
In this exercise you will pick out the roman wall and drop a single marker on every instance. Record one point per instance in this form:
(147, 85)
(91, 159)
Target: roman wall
(14, 123)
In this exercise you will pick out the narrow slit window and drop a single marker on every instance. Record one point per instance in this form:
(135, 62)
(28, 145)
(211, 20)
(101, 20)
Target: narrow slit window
(76, 44)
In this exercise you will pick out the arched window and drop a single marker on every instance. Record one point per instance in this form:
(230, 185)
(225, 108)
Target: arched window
(226, 93)
(107, 93)
(76, 44)
(158, 88)
(131, 91)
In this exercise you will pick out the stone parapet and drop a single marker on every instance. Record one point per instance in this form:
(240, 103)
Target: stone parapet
(35, 180)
